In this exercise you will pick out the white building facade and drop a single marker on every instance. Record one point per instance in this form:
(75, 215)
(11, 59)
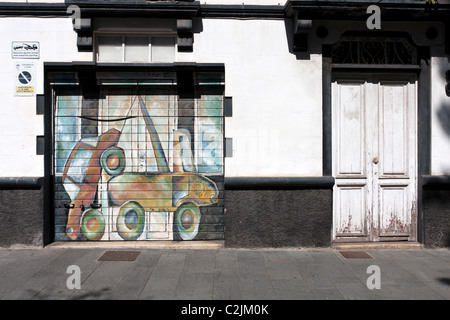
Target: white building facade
(254, 124)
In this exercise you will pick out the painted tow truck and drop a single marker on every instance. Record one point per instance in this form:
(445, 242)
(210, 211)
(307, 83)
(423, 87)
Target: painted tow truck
(136, 195)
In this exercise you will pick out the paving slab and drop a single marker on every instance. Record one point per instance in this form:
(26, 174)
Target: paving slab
(191, 273)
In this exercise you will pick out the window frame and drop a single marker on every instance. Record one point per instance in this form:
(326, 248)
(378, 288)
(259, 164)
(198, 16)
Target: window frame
(148, 35)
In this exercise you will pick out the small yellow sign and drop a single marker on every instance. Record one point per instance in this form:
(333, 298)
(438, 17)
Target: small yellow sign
(25, 89)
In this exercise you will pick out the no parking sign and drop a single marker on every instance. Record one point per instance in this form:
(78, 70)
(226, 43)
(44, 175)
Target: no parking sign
(25, 72)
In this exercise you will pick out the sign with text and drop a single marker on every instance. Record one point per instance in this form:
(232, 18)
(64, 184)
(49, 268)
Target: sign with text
(25, 50)
(24, 73)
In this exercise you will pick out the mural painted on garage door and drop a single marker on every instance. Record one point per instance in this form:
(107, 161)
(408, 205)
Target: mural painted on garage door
(138, 164)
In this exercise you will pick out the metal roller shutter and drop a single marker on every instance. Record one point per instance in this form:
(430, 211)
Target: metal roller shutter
(138, 163)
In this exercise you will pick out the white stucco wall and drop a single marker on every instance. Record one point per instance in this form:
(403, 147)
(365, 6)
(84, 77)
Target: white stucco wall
(19, 124)
(277, 100)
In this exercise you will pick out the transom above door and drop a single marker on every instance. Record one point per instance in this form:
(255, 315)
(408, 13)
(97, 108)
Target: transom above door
(374, 157)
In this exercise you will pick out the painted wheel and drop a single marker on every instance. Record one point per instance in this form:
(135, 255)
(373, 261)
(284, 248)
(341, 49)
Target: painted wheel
(186, 221)
(113, 161)
(93, 224)
(131, 220)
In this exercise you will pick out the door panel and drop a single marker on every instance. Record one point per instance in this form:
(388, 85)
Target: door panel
(374, 162)
(350, 191)
(393, 130)
(394, 215)
(351, 155)
(352, 220)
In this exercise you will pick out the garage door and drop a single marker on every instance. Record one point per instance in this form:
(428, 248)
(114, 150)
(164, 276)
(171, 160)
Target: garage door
(137, 162)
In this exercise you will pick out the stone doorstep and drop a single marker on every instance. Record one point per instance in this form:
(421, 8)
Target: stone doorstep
(219, 244)
(211, 245)
(400, 245)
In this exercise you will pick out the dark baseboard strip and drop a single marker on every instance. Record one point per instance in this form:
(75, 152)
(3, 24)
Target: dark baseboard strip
(306, 9)
(143, 67)
(21, 182)
(325, 182)
(242, 11)
(436, 182)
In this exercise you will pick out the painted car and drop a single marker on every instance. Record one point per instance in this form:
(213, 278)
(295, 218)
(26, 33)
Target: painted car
(81, 175)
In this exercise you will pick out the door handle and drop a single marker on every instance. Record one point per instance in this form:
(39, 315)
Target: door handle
(375, 160)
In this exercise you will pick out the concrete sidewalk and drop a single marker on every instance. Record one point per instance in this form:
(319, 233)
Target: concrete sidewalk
(224, 274)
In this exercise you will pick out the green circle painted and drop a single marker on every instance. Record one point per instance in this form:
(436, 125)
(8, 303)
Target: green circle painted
(186, 221)
(113, 161)
(93, 224)
(130, 220)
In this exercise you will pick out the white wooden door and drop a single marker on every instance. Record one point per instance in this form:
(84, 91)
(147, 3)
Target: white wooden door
(374, 158)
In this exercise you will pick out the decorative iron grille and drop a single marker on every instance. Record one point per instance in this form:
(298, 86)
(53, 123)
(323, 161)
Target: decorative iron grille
(374, 51)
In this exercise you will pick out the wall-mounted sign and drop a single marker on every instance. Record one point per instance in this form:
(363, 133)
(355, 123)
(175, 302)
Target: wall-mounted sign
(25, 72)
(25, 50)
